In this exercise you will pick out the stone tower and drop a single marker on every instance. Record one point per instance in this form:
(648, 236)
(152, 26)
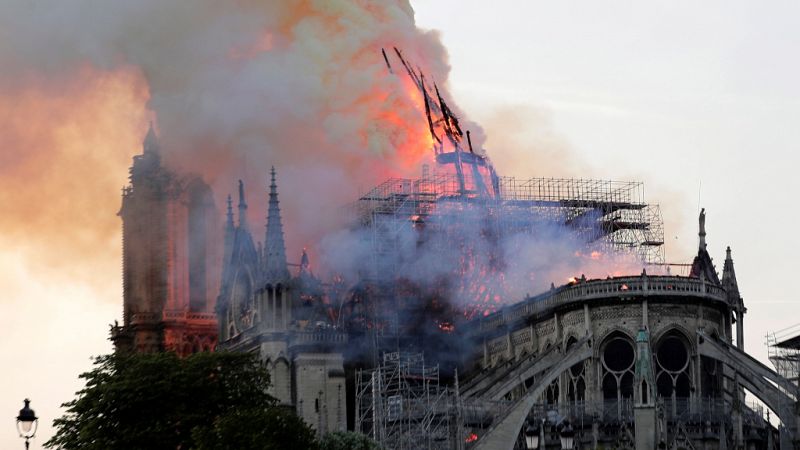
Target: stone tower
(263, 309)
(170, 259)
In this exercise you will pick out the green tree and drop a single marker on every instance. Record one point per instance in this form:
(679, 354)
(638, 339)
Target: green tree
(159, 401)
(347, 440)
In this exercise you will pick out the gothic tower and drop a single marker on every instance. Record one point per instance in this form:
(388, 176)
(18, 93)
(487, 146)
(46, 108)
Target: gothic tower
(263, 309)
(169, 259)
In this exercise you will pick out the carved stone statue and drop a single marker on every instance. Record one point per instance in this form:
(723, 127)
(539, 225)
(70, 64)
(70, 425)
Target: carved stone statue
(703, 222)
(702, 232)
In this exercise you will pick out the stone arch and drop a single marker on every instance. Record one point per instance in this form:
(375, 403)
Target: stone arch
(616, 358)
(674, 368)
(231, 329)
(281, 379)
(612, 331)
(677, 328)
(574, 378)
(242, 297)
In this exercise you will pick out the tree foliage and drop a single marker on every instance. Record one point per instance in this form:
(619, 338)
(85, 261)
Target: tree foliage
(347, 440)
(159, 401)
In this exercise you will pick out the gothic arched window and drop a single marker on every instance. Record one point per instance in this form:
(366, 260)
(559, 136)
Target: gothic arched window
(617, 357)
(674, 370)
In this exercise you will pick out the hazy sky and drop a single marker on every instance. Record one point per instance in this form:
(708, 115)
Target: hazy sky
(674, 94)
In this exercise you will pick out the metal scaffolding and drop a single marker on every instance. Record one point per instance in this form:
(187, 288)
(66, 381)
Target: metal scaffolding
(784, 352)
(611, 215)
(401, 405)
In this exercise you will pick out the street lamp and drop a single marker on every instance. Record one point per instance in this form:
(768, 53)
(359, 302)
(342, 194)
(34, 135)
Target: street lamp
(532, 437)
(567, 435)
(27, 423)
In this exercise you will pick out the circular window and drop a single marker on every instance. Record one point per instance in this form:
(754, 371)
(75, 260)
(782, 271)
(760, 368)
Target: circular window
(618, 355)
(672, 354)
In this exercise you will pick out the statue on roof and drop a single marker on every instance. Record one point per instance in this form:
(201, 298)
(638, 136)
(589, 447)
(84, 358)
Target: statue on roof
(702, 232)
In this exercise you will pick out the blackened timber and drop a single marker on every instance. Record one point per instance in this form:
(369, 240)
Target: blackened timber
(386, 59)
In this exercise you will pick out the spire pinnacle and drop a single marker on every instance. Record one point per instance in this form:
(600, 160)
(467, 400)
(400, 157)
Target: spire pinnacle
(150, 143)
(729, 274)
(242, 206)
(229, 214)
(274, 246)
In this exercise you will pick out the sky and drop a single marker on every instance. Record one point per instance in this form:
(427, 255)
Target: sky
(698, 101)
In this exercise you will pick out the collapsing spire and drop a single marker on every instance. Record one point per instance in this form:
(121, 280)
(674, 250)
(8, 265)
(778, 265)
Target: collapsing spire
(276, 267)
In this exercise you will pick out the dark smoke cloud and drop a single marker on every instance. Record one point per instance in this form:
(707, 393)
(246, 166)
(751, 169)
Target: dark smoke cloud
(238, 87)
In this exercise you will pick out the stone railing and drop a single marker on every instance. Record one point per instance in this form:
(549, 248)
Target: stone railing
(140, 318)
(680, 410)
(173, 316)
(317, 337)
(189, 315)
(622, 288)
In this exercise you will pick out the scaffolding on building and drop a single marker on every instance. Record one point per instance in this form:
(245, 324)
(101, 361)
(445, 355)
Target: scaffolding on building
(611, 215)
(401, 405)
(784, 352)
(783, 348)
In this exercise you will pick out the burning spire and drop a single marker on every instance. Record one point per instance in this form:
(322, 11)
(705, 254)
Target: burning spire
(475, 173)
(276, 267)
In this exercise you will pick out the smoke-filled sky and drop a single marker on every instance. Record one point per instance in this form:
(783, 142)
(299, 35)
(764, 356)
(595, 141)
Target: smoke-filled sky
(672, 95)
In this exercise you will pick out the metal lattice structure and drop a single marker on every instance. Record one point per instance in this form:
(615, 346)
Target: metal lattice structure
(784, 352)
(401, 405)
(611, 215)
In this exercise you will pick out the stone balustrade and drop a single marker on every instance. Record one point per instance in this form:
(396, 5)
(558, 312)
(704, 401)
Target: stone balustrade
(195, 317)
(634, 287)
(323, 336)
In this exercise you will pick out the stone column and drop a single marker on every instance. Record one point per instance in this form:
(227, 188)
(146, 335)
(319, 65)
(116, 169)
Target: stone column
(274, 304)
(285, 311)
(740, 328)
(645, 319)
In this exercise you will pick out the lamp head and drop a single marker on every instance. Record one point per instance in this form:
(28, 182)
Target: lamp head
(27, 421)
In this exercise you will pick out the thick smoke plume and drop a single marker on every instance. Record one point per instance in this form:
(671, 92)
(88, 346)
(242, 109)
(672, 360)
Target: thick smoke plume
(236, 88)
(475, 261)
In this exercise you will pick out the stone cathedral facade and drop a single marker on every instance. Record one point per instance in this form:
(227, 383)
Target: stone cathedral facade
(176, 298)
(263, 309)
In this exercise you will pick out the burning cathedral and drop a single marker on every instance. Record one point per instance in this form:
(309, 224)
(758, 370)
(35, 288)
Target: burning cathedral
(456, 357)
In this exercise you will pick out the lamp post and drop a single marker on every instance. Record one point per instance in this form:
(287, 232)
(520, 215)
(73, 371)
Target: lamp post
(567, 435)
(532, 437)
(27, 423)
